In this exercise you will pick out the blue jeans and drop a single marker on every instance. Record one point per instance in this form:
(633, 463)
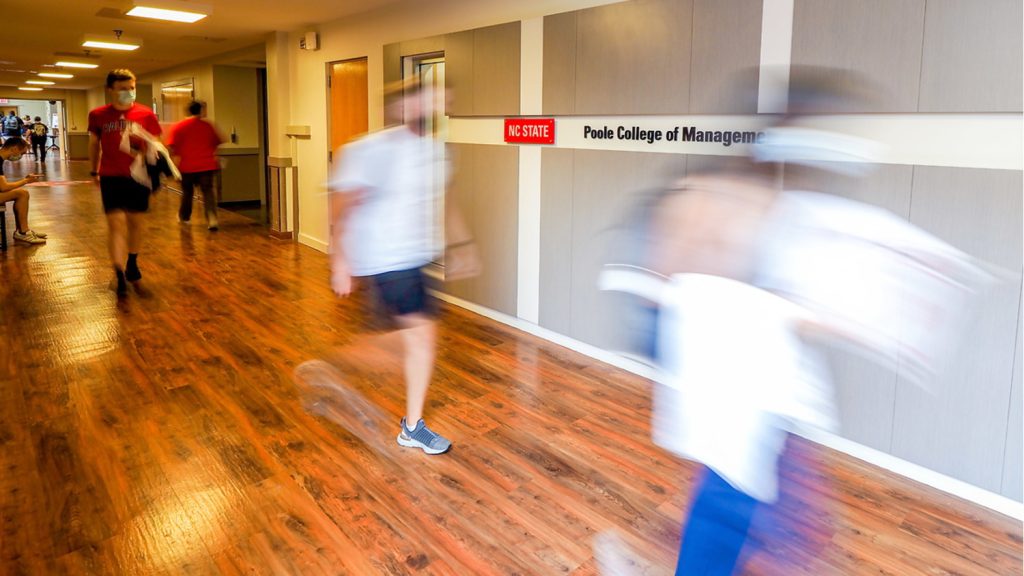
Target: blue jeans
(716, 529)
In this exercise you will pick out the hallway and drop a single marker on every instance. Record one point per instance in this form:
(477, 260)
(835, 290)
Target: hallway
(170, 434)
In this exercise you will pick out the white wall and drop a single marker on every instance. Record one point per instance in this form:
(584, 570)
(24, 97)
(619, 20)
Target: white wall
(239, 87)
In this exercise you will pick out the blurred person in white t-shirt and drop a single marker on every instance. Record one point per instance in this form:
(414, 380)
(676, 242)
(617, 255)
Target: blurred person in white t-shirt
(384, 233)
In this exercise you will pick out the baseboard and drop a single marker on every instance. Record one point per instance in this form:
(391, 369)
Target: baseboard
(313, 242)
(915, 472)
(279, 235)
(918, 473)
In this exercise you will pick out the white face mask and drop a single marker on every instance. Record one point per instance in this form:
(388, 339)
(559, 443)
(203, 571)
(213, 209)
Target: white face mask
(14, 157)
(125, 97)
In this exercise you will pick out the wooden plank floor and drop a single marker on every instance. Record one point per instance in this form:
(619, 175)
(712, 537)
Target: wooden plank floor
(186, 431)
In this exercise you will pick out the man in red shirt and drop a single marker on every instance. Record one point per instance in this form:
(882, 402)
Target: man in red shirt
(124, 199)
(194, 141)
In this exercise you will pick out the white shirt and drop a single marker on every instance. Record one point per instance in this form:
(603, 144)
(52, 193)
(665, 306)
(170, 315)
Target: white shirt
(393, 226)
(736, 376)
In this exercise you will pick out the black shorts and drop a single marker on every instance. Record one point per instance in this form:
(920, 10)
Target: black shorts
(402, 292)
(120, 193)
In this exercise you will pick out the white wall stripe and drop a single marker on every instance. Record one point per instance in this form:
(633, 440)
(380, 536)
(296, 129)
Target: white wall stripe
(957, 140)
(776, 54)
(531, 99)
(531, 64)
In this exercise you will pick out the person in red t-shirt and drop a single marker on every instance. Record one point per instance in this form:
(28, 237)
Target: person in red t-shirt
(194, 141)
(124, 199)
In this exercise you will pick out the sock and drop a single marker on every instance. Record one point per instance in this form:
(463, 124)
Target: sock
(410, 430)
(131, 261)
(122, 286)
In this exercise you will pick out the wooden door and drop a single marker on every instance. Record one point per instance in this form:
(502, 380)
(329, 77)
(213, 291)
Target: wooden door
(349, 116)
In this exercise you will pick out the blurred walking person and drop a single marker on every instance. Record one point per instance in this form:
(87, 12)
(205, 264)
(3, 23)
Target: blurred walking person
(121, 134)
(13, 125)
(749, 273)
(194, 142)
(384, 229)
(38, 133)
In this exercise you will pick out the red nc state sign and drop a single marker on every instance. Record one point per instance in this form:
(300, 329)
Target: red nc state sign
(529, 130)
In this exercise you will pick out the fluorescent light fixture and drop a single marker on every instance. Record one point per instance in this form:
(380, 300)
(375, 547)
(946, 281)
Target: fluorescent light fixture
(30, 89)
(55, 75)
(77, 65)
(169, 10)
(40, 82)
(119, 43)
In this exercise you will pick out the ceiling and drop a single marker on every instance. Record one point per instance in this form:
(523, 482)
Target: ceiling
(40, 32)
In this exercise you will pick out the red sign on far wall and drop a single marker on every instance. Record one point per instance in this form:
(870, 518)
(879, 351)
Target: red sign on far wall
(529, 130)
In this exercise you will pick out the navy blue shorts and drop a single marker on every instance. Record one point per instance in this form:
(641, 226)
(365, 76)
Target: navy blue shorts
(402, 292)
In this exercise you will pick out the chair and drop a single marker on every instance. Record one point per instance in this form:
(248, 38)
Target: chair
(53, 139)
(3, 226)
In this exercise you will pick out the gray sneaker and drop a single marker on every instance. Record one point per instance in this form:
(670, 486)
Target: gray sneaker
(423, 438)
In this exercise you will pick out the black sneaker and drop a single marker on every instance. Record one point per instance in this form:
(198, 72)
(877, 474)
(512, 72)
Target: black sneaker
(132, 273)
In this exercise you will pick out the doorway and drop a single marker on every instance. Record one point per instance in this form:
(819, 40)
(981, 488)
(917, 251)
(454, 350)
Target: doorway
(52, 114)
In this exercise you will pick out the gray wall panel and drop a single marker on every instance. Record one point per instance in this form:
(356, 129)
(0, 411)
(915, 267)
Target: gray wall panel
(486, 188)
(458, 71)
(634, 58)
(423, 46)
(725, 56)
(556, 239)
(605, 186)
(865, 394)
(461, 195)
(496, 70)
(392, 63)
(887, 186)
(1013, 464)
(879, 40)
(560, 64)
(865, 390)
(972, 56)
(959, 425)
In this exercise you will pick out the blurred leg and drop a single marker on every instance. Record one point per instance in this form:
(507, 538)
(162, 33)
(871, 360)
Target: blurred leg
(188, 186)
(419, 335)
(716, 529)
(207, 183)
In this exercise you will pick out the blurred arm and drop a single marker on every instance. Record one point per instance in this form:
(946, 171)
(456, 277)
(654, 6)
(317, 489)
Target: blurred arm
(6, 186)
(94, 152)
(462, 258)
(341, 204)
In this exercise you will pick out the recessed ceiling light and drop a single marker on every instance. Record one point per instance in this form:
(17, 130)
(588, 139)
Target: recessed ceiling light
(76, 64)
(55, 75)
(30, 89)
(40, 82)
(169, 10)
